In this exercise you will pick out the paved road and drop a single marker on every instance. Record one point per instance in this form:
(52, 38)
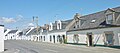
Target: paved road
(21, 46)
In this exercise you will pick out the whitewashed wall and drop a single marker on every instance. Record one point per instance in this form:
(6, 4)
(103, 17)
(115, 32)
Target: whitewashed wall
(96, 32)
(56, 34)
(1, 38)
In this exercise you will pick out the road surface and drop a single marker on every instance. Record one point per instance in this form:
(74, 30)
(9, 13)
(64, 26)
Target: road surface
(22, 46)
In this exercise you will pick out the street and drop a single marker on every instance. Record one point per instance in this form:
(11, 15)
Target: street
(22, 46)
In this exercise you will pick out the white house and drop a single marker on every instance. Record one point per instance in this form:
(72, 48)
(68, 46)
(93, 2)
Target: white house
(101, 28)
(57, 31)
(1, 38)
(11, 34)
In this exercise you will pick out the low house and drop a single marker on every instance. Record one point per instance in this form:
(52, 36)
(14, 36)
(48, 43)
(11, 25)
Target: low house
(101, 28)
(1, 38)
(5, 33)
(56, 32)
(11, 34)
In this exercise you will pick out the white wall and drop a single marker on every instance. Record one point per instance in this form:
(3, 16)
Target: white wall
(1, 38)
(96, 32)
(56, 34)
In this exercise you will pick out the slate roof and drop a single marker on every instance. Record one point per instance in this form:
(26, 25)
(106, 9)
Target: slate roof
(2, 25)
(12, 31)
(99, 18)
(5, 30)
(32, 32)
(53, 31)
(65, 23)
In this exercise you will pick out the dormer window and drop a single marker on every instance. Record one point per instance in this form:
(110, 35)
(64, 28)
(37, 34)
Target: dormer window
(58, 25)
(109, 18)
(77, 24)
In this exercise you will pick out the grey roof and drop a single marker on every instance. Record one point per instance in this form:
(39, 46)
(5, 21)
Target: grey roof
(26, 30)
(65, 23)
(99, 18)
(2, 25)
(54, 31)
(12, 31)
(5, 30)
(34, 31)
(44, 33)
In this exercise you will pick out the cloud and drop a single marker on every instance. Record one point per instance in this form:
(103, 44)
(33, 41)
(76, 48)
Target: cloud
(7, 20)
(10, 20)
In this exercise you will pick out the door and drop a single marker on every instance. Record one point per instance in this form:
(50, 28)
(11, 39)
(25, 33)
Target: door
(63, 38)
(89, 39)
(90, 42)
(54, 38)
(58, 38)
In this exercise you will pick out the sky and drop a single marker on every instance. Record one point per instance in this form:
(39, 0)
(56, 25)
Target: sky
(19, 13)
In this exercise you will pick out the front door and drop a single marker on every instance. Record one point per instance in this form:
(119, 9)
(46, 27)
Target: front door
(63, 38)
(54, 39)
(90, 43)
(89, 39)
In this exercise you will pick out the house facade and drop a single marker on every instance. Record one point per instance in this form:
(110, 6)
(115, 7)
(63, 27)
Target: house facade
(54, 32)
(57, 31)
(101, 28)
(13, 34)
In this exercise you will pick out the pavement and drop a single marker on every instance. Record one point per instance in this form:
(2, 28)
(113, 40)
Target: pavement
(22, 46)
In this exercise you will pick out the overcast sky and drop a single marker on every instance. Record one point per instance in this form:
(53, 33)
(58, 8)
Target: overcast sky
(19, 13)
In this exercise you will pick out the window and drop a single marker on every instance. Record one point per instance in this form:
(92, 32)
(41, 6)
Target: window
(109, 19)
(109, 39)
(77, 24)
(58, 25)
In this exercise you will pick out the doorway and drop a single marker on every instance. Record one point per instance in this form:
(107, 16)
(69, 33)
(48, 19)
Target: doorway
(54, 38)
(63, 38)
(89, 39)
(58, 38)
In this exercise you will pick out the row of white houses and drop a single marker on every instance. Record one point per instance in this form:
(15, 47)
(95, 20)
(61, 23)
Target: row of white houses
(100, 28)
